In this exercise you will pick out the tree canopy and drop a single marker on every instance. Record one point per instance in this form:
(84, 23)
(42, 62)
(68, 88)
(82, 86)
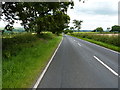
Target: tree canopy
(99, 29)
(37, 16)
(71, 28)
(115, 28)
(77, 24)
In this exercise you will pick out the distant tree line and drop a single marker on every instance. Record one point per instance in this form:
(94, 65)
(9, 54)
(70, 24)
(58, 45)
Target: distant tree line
(115, 28)
(99, 29)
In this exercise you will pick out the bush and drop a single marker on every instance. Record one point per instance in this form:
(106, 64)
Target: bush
(11, 46)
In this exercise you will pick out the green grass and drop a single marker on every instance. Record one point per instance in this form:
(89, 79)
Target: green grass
(22, 69)
(110, 46)
(0, 62)
(0, 72)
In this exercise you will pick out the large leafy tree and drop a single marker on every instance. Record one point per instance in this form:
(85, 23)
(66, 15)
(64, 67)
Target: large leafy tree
(37, 16)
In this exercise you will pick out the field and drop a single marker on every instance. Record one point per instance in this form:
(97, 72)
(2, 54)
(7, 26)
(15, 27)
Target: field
(108, 40)
(25, 56)
(108, 34)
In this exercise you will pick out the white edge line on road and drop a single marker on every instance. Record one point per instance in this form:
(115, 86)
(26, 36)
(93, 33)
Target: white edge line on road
(102, 47)
(110, 69)
(46, 68)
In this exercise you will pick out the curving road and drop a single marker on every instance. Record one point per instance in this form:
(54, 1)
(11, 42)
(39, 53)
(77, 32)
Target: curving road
(81, 64)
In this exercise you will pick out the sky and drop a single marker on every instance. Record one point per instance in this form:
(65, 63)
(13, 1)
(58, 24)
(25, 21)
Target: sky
(93, 13)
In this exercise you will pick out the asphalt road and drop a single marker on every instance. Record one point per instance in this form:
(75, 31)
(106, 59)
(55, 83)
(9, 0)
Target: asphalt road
(80, 64)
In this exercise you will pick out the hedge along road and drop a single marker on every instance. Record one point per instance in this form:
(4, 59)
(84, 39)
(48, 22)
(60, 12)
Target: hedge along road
(81, 64)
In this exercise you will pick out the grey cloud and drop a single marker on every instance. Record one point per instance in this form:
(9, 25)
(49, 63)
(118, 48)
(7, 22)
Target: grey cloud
(99, 9)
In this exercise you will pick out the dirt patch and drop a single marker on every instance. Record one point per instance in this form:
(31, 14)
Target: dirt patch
(109, 34)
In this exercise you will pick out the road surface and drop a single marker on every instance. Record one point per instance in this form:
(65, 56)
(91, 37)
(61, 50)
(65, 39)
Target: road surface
(80, 64)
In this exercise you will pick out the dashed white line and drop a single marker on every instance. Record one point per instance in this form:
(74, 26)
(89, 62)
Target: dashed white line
(46, 68)
(79, 44)
(74, 40)
(105, 65)
(100, 46)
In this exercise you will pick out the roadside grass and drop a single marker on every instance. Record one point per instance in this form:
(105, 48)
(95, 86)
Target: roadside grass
(0, 61)
(0, 72)
(24, 63)
(107, 45)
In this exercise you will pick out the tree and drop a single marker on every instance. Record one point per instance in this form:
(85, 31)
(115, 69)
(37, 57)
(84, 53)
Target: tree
(108, 29)
(68, 31)
(93, 31)
(99, 29)
(9, 27)
(77, 24)
(71, 28)
(37, 16)
(115, 28)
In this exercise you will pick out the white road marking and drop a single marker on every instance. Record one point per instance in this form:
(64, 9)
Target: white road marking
(100, 46)
(110, 69)
(79, 44)
(46, 68)
(74, 40)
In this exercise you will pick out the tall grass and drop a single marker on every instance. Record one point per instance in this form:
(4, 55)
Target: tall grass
(24, 57)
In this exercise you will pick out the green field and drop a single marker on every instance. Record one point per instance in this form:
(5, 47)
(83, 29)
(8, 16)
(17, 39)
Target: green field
(25, 56)
(96, 32)
(111, 42)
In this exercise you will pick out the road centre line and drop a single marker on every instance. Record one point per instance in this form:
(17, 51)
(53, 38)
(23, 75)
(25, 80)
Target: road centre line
(100, 46)
(79, 44)
(105, 65)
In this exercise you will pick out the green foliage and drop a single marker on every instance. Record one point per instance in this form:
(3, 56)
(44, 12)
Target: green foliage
(113, 40)
(38, 16)
(77, 24)
(31, 54)
(99, 29)
(11, 46)
(115, 28)
(113, 47)
(9, 28)
(60, 22)
(71, 28)
(68, 31)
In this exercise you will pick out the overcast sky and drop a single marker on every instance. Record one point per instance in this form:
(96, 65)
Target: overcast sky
(94, 13)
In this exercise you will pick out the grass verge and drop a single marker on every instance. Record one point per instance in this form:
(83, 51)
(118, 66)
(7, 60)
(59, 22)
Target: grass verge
(21, 70)
(113, 47)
